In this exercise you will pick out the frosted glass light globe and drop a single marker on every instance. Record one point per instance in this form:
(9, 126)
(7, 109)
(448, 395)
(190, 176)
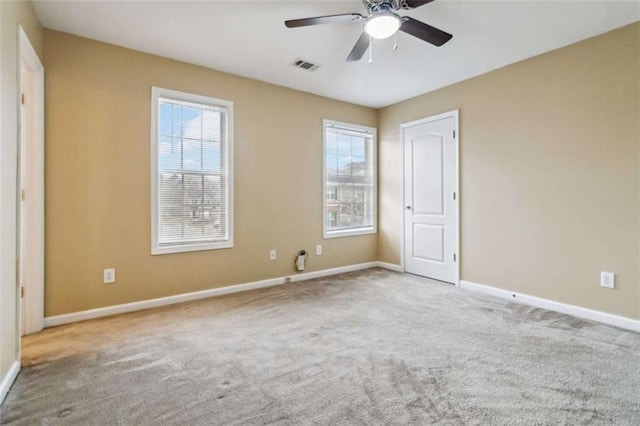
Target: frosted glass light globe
(382, 25)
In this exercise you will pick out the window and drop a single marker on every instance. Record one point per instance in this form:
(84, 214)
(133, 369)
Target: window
(192, 172)
(349, 179)
(332, 193)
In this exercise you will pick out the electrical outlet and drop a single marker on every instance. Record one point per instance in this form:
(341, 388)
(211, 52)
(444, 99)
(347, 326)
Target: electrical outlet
(272, 255)
(607, 279)
(319, 250)
(109, 276)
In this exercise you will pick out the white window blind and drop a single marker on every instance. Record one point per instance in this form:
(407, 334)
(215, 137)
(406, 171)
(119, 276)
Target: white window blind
(349, 179)
(192, 172)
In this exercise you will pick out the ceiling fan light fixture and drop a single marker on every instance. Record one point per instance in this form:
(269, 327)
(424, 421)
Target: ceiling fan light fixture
(382, 25)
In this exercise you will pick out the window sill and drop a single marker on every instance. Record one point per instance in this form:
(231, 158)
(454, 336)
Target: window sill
(189, 248)
(349, 232)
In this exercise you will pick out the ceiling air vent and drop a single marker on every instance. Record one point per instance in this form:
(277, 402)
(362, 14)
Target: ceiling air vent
(305, 65)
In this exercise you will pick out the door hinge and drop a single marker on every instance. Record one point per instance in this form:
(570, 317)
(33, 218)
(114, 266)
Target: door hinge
(22, 292)
(454, 196)
(22, 194)
(22, 98)
(454, 134)
(454, 257)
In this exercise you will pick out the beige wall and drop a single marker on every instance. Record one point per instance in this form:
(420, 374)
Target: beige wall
(549, 175)
(12, 14)
(549, 165)
(98, 178)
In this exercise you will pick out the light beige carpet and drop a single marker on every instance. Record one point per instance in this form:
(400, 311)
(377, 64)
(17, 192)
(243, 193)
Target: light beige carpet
(373, 347)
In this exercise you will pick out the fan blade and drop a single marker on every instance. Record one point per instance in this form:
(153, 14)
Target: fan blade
(329, 19)
(358, 50)
(412, 4)
(424, 32)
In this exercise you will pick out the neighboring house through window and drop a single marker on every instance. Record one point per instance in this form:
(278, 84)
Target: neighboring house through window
(349, 178)
(192, 177)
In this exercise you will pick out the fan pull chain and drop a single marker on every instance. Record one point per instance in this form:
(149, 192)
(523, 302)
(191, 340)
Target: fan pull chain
(370, 49)
(395, 41)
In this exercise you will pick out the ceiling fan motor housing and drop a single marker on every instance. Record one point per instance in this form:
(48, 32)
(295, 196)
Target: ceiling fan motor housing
(374, 6)
(377, 6)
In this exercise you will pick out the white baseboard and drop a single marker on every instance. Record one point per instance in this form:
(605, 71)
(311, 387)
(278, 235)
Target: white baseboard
(8, 380)
(186, 297)
(332, 271)
(576, 311)
(390, 266)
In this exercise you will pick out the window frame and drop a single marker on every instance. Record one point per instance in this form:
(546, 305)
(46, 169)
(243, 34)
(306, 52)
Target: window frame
(365, 230)
(156, 94)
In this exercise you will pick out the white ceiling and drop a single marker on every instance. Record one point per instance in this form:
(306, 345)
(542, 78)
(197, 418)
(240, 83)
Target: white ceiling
(250, 39)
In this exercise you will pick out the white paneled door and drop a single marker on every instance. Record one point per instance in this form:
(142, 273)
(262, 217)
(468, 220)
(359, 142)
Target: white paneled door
(430, 195)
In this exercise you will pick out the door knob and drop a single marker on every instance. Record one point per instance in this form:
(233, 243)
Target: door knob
(408, 207)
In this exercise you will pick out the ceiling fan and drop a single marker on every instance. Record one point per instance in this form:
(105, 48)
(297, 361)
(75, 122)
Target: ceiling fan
(381, 22)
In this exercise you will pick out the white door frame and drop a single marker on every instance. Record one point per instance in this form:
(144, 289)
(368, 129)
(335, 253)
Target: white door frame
(455, 114)
(32, 266)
